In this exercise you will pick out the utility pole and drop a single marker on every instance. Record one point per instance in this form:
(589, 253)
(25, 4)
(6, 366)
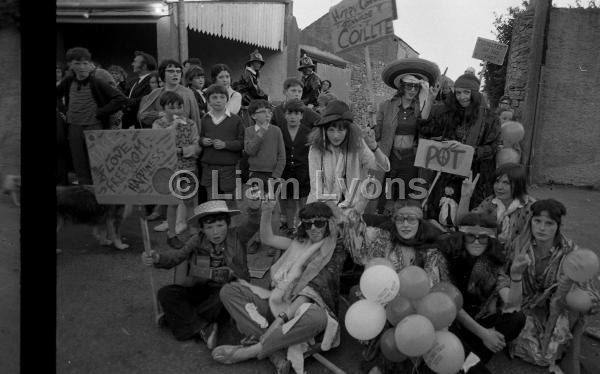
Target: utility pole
(183, 37)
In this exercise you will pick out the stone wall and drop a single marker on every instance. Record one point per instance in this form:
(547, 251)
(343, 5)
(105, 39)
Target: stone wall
(516, 72)
(567, 142)
(568, 149)
(10, 101)
(382, 52)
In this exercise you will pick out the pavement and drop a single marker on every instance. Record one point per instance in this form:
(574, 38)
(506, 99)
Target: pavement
(105, 320)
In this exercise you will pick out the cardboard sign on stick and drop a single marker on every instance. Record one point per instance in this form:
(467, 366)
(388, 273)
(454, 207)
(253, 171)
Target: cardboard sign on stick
(132, 166)
(490, 51)
(445, 157)
(359, 22)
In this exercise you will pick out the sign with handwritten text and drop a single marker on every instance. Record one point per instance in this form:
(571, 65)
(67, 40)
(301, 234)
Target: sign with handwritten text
(453, 158)
(490, 51)
(132, 166)
(359, 22)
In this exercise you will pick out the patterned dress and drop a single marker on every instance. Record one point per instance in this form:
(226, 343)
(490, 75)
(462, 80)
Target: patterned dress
(544, 292)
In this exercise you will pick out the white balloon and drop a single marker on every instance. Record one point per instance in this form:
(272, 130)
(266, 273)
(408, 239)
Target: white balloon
(379, 283)
(365, 319)
(447, 354)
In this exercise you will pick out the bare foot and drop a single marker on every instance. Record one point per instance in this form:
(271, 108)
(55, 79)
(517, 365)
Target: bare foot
(231, 354)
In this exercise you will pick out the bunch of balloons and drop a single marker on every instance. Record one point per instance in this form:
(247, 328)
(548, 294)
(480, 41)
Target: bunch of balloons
(419, 316)
(580, 265)
(511, 133)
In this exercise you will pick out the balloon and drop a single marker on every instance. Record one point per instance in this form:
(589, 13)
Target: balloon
(450, 290)
(507, 156)
(579, 300)
(388, 347)
(379, 283)
(581, 265)
(397, 309)
(414, 335)
(380, 261)
(511, 132)
(439, 308)
(414, 282)
(365, 319)
(447, 354)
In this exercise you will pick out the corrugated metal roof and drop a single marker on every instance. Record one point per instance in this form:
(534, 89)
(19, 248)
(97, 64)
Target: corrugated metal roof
(260, 24)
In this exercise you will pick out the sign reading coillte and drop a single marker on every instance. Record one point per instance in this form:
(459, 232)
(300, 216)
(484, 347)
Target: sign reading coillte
(360, 22)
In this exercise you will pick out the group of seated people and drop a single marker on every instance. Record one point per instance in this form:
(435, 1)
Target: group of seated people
(507, 263)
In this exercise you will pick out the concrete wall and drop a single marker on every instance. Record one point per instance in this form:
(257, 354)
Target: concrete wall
(568, 150)
(10, 101)
(382, 52)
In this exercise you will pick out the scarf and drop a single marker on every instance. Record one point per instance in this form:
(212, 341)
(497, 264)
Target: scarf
(503, 216)
(299, 268)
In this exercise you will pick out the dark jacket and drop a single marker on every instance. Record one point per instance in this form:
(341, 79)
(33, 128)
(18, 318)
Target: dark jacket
(327, 281)
(234, 253)
(133, 102)
(483, 133)
(202, 103)
(108, 99)
(248, 87)
(312, 87)
(309, 117)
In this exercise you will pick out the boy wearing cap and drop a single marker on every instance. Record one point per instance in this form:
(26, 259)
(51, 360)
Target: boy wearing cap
(216, 256)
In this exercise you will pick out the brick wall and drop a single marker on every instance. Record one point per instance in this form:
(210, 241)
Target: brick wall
(10, 101)
(382, 52)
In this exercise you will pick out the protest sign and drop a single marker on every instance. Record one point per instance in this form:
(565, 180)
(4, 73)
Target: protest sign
(132, 166)
(490, 51)
(453, 158)
(359, 22)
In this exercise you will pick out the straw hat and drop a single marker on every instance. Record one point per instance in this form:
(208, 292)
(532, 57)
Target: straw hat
(414, 66)
(212, 207)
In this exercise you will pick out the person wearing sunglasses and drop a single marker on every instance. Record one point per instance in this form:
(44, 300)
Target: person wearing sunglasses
(405, 239)
(489, 318)
(304, 293)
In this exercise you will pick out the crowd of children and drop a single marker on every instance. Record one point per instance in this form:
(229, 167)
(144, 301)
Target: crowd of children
(502, 249)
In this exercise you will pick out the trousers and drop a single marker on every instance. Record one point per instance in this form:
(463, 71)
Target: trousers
(79, 152)
(238, 300)
(189, 309)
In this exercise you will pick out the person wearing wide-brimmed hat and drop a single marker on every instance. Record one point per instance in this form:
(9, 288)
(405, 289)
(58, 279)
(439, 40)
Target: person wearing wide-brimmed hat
(215, 256)
(341, 149)
(398, 119)
(248, 83)
(311, 82)
(465, 119)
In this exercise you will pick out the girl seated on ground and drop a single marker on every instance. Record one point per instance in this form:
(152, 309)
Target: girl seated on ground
(510, 203)
(552, 330)
(404, 239)
(302, 302)
(489, 318)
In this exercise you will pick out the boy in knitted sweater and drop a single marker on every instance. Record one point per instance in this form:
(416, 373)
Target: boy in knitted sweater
(263, 143)
(222, 138)
(187, 142)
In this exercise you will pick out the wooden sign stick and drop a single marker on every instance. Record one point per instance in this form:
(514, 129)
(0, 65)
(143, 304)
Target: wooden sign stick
(437, 176)
(370, 86)
(158, 313)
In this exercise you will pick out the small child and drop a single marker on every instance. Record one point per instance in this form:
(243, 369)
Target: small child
(506, 115)
(222, 136)
(263, 143)
(295, 139)
(186, 140)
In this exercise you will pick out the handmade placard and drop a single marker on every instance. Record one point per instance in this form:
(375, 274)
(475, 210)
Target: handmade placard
(453, 158)
(132, 166)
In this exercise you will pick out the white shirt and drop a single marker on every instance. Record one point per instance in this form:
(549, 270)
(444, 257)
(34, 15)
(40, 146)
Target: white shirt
(265, 126)
(217, 120)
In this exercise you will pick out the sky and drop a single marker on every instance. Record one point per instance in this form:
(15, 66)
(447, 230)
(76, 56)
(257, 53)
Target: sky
(443, 31)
